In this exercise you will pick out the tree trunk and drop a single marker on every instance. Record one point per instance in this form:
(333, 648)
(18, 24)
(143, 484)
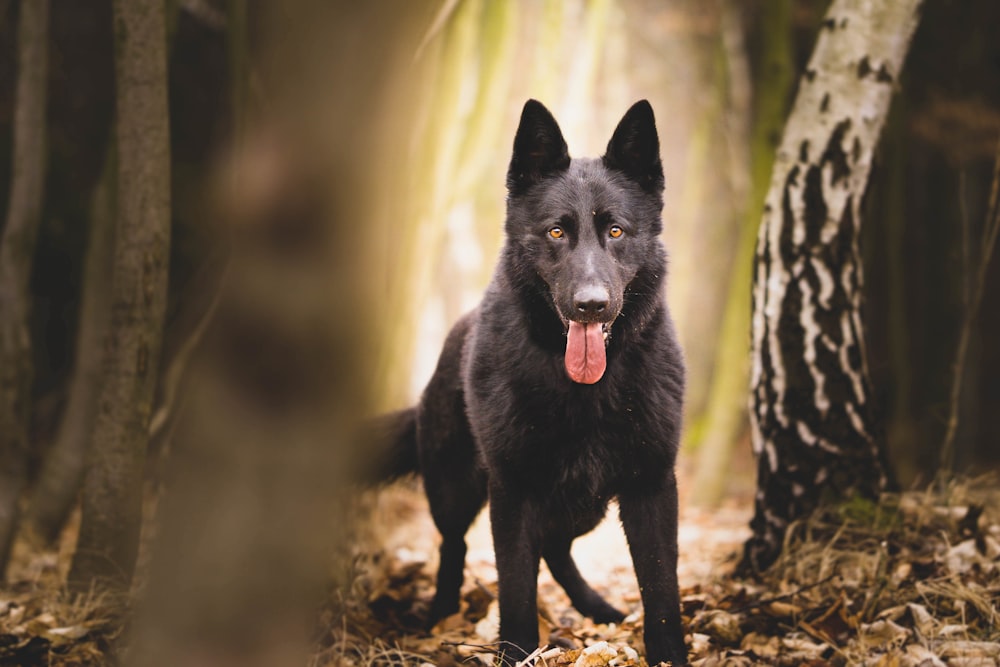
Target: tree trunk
(112, 491)
(17, 252)
(811, 400)
(264, 442)
(58, 484)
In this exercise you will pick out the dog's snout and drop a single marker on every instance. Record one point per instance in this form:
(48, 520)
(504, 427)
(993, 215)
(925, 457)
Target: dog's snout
(591, 301)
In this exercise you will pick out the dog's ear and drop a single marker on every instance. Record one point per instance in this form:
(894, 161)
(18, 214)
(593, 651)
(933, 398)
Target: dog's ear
(539, 148)
(634, 148)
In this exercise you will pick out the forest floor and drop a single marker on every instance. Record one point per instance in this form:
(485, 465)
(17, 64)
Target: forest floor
(912, 580)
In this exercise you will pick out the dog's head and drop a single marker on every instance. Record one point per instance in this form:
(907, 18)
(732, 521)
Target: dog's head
(585, 227)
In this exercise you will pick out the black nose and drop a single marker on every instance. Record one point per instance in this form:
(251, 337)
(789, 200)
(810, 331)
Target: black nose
(591, 300)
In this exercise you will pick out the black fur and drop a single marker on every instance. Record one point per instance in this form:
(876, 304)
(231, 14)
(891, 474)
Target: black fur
(502, 420)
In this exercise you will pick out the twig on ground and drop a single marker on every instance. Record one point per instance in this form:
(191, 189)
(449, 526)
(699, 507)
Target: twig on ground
(780, 598)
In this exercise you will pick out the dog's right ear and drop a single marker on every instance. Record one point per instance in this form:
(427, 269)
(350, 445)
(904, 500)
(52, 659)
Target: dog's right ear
(539, 148)
(634, 148)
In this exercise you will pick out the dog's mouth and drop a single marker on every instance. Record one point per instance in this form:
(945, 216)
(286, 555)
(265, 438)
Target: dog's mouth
(586, 357)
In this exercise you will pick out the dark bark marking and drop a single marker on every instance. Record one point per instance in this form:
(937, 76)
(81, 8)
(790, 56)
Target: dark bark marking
(810, 75)
(834, 152)
(824, 104)
(765, 395)
(786, 246)
(791, 337)
(147, 279)
(838, 427)
(825, 316)
(854, 356)
(838, 387)
(766, 258)
(841, 246)
(804, 151)
(816, 209)
(884, 75)
(845, 236)
(864, 67)
(828, 320)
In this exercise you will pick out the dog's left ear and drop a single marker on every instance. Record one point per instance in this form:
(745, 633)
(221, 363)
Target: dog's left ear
(634, 148)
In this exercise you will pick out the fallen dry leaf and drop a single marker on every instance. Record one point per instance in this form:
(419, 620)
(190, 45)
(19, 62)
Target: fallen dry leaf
(596, 655)
(883, 632)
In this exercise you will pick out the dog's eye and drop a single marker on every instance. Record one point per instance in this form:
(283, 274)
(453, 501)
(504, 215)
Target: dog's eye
(557, 232)
(615, 231)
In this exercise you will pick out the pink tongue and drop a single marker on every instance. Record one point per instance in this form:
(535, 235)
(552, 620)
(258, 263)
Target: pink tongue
(585, 360)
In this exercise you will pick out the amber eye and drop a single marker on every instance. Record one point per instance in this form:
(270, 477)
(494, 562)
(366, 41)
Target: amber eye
(557, 232)
(615, 231)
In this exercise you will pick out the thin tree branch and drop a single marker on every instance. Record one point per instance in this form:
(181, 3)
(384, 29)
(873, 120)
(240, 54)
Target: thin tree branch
(971, 305)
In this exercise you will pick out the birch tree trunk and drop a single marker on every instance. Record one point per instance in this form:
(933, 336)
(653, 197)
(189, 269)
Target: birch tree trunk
(112, 490)
(811, 400)
(17, 252)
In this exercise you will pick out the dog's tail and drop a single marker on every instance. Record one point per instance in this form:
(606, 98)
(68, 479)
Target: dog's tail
(393, 438)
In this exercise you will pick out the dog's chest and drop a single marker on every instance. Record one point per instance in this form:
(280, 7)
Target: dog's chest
(573, 453)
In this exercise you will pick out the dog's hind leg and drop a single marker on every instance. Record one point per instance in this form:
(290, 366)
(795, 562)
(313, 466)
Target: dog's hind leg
(454, 483)
(454, 506)
(586, 600)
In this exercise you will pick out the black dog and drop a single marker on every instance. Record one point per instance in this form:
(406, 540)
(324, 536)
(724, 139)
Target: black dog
(563, 389)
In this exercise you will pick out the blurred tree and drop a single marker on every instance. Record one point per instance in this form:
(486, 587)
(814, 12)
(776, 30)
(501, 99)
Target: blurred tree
(413, 249)
(17, 252)
(811, 401)
(975, 271)
(494, 76)
(265, 444)
(112, 493)
(467, 63)
(930, 190)
(771, 72)
(706, 226)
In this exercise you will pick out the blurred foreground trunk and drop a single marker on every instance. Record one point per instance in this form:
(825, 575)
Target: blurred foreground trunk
(112, 493)
(58, 484)
(265, 444)
(811, 409)
(17, 252)
(259, 452)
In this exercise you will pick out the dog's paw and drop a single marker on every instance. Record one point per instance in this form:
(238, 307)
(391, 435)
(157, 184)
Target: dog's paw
(605, 613)
(438, 611)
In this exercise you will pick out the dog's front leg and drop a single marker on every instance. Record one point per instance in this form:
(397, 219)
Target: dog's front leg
(517, 544)
(650, 522)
